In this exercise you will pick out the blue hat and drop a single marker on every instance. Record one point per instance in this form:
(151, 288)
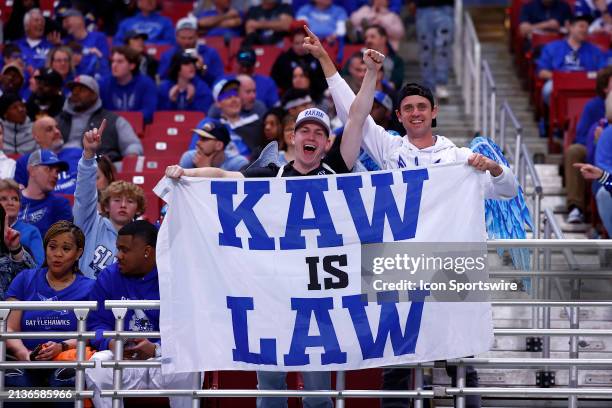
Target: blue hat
(213, 129)
(384, 99)
(44, 157)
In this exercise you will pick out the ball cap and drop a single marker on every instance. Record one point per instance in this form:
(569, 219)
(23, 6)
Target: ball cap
(213, 129)
(222, 85)
(313, 115)
(44, 157)
(384, 99)
(86, 81)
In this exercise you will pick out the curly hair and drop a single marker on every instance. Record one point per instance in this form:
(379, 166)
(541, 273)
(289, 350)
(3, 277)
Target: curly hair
(62, 227)
(123, 188)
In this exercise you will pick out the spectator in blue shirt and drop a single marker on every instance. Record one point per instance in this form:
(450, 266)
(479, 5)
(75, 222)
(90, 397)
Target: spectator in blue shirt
(594, 8)
(543, 15)
(90, 64)
(148, 65)
(59, 280)
(126, 89)
(573, 53)
(267, 92)
(184, 90)
(48, 136)
(40, 206)
(325, 19)
(94, 45)
(157, 27)
(10, 199)
(209, 62)
(59, 59)
(221, 20)
(34, 46)
(267, 23)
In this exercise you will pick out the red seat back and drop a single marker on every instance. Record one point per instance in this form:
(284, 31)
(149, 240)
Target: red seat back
(156, 50)
(140, 164)
(165, 130)
(175, 10)
(178, 118)
(349, 50)
(170, 148)
(601, 40)
(135, 119)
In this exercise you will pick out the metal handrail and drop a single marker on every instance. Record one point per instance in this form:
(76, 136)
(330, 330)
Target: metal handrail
(552, 332)
(533, 362)
(551, 303)
(471, 70)
(504, 110)
(489, 96)
(550, 243)
(48, 305)
(270, 393)
(534, 392)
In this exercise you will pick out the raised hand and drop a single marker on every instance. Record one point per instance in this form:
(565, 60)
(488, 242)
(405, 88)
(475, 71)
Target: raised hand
(174, 172)
(588, 171)
(92, 139)
(313, 45)
(12, 238)
(373, 59)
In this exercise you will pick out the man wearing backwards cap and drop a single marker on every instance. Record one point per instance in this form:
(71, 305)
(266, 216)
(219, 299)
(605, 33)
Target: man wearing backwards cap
(417, 113)
(310, 137)
(39, 205)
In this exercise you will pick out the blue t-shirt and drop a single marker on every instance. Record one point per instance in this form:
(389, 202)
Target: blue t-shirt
(201, 101)
(594, 110)
(158, 28)
(113, 285)
(140, 94)
(603, 151)
(32, 285)
(94, 39)
(559, 56)
(210, 56)
(266, 89)
(46, 212)
(219, 31)
(36, 56)
(66, 181)
(323, 22)
(30, 238)
(587, 7)
(535, 12)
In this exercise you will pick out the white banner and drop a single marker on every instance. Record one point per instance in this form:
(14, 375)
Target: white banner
(264, 274)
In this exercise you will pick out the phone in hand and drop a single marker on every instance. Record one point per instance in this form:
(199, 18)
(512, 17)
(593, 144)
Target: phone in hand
(35, 352)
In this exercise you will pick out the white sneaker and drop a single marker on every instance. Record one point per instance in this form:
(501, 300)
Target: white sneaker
(575, 216)
(442, 92)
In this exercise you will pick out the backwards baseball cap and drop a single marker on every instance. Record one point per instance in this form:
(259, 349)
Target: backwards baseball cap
(44, 157)
(86, 81)
(383, 99)
(295, 97)
(51, 77)
(583, 17)
(224, 85)
(135, 34)
(186, 23)
(420, 90)
(313, 115)
(71, 13)
(246, 57)
(15, 67)
(213, 129)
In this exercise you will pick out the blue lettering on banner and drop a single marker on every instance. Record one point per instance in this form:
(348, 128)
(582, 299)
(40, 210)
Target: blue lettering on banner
(230, 217)
(239, 307)
(388, 326)
(384, 205)
(319, 307)
(296, 223)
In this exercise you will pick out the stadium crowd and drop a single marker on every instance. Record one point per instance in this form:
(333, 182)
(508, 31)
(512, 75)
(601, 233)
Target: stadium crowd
(98, 98)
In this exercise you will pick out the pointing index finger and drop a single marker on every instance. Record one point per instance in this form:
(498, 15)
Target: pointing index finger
(102, 127)
(310, 33)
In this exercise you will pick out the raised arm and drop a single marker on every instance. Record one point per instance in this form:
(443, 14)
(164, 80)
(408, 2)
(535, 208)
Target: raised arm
(360, 109)
(313, 45)
(176, 172)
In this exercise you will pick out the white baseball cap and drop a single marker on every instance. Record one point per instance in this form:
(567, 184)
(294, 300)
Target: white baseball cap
(314, 115)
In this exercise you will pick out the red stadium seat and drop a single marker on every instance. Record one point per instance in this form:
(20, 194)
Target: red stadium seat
(165, 130)
(6, 7)
(171, 148)
(135, 119)
(156, 50)
(180, 118)
(175, 10)
(349, 50)
(69, 197)
(140, 164)
(601, 40)
(146, 180)
(46, 6)
(266, 56)
(224, 49)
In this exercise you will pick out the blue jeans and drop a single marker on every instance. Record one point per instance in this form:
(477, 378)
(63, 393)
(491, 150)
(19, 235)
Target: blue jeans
(317, 380)
(604, 207)
(435, 28)
(53, 378)
(547, 91)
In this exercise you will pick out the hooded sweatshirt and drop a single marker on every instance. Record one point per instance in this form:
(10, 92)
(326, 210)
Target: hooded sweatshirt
(100, 234)
(18, 138)
(140, 94)
(392, 152)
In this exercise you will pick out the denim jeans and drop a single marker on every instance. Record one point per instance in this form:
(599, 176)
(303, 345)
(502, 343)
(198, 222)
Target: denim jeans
(435, 29)
(400, 379)
(316, 380)
(53, 378)
(604, 207)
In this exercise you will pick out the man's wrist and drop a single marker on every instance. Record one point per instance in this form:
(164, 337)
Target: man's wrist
(16, 250)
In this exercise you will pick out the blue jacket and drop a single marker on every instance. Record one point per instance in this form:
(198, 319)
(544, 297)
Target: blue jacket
(94, 39)
(322, 22)
(66, 182)
(603, 151)
(594, 110)
(220, 31)
(214, 64)
(140, 94)
(100, 234)
(113, 285)
(587, 7)
(200, 102)
(34, 57)
(267, 92)
(158, 28)
(46, 212)
(535, 12)
(559, 56)
(30, 237)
